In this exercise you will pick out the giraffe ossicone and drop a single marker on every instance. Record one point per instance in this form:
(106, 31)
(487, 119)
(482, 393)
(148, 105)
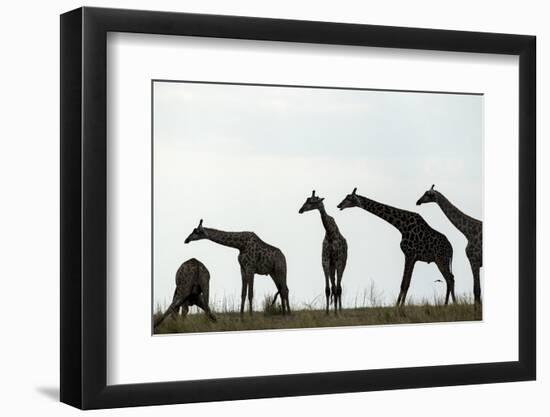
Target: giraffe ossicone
(419, 242)
(334, 252)
(255, 257)
(470, 227)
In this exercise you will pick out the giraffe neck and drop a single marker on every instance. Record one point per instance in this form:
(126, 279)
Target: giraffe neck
(394, 216)
(328, 222)
(460, 220)
(235, 240)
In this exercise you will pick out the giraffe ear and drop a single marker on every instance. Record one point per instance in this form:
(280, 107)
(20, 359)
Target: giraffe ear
(321, 199)
(354, 190)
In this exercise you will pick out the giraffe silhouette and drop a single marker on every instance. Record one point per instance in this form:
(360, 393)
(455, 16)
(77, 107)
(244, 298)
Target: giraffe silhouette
(192, 288)
(470, 227)
(255, 257)
(334, 254)
(419, 242)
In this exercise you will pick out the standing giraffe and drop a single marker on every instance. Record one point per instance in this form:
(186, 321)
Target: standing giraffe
(255, 257)
(334, 254)
(419, 242)
(192, 288)
(470, 227)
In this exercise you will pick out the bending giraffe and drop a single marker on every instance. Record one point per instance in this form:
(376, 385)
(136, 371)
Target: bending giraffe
(470, 227)
(255, 257)
(192, 288)
(419, 242)
(334, 254)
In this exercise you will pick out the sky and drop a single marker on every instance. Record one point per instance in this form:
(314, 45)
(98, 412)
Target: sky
(245, 158)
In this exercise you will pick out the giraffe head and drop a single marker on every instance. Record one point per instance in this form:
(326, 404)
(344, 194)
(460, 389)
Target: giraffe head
(198, 233)
(429, 196)
(351, 200)
(312, 203)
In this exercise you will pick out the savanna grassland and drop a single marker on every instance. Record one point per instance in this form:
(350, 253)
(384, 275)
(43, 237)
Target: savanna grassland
(270, 317)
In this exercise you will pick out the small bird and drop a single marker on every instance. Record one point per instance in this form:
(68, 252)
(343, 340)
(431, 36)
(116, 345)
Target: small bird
(438, 280)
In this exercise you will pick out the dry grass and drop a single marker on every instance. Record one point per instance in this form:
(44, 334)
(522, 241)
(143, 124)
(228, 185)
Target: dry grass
(311, 316)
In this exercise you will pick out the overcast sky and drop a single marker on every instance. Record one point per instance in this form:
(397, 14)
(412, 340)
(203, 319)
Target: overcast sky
(245, 158)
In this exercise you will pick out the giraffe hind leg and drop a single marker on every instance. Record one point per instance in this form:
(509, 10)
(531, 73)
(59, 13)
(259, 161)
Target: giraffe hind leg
(284, 301)
(279, 278)
(477, 285)
(203, 304)
(445, 269)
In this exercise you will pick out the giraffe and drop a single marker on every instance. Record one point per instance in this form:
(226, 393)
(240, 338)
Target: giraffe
(255, 257)
(192, 288)
(419, 242)
(470, 227)
(334, 253)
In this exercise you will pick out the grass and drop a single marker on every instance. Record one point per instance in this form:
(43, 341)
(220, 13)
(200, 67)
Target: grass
(311, 316)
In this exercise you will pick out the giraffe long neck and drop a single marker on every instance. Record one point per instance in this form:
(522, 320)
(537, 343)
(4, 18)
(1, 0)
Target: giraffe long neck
(460, 220)
(235, 240)
(394, 216)
(328, 223)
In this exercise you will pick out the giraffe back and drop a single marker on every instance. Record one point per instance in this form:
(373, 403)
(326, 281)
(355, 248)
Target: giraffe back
(421, 241)
(261, 258)
(192, 278)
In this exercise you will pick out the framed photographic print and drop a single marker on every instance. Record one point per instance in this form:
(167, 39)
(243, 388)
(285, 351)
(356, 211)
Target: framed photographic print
(283, 189)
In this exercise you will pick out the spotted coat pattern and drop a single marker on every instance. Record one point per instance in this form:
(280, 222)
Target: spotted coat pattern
(470, 227)
(419, 242)
(334, 252)
(192, 288)
(255, 257)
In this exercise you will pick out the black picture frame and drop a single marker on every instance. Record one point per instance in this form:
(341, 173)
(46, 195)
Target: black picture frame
(84, 207)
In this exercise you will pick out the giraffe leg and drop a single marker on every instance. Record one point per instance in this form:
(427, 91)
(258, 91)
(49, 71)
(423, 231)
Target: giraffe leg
(184, 309)
(477, 285)
(243, 290)
(284, 300)
(333, 292)
(445, 269)
(287, 298)
(339, 275)
(406, 280)
(250, 294)
(326, 270)
(203, 304)
(172, 310)
(279, 278)
(175, 307)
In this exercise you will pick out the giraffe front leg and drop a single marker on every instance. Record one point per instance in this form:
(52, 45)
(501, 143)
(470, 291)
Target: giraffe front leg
(406, 280)
(172, 310)
(184, 309)
(243, 292)
(339, 275)
(250, 294)
(326, 270)
(334, 292)
(203, 304)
